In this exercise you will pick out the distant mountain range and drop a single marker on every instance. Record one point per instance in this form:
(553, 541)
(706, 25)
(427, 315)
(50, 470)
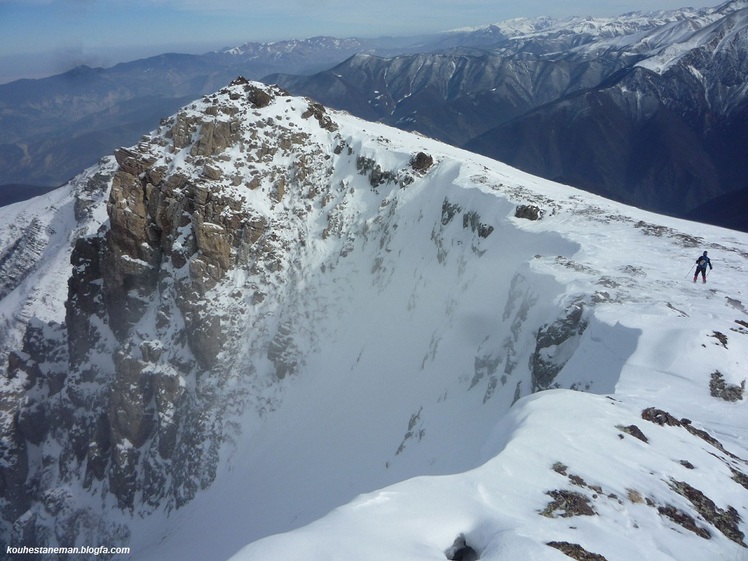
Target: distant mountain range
(51, 128)
(647, 108)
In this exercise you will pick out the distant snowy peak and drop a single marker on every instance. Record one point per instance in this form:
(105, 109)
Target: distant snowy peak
(636, 32)
(641, 34)
(509, 28)
(710, 42)
(732, 6)
(521, 28)
(599, 27)
(280, 48)
(717, 32)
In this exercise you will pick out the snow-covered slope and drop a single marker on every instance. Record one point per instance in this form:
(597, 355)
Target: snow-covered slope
(36, 238)
(325, 339)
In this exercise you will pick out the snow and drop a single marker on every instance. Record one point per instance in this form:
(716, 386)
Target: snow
(42, 291)
(380, 447)
(714, 31)
(496, 505)
(411, 421)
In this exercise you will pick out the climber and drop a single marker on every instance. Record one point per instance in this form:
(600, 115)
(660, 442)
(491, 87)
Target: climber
(701, 264)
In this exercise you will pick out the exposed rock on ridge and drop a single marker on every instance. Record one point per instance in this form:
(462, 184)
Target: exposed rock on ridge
(142, 425)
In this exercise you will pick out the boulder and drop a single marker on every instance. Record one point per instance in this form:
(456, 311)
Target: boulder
(529, 212)
(421, 162)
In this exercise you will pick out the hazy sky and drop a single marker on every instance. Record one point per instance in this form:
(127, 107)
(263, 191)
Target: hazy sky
(44, 37)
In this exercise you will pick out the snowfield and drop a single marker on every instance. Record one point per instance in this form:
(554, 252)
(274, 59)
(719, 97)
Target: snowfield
(541, 389)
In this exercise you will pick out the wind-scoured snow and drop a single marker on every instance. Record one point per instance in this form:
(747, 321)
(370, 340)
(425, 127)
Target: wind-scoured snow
(418, 318)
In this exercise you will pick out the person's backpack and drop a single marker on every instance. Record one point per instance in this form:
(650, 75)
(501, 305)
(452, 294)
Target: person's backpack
(702, 262)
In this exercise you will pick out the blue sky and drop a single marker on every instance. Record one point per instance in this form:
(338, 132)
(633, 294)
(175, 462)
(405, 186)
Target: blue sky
(44, 37)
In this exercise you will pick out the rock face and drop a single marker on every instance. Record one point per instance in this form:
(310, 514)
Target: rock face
(528, 212)
(555, 345)
(137, 367)
(20, 257)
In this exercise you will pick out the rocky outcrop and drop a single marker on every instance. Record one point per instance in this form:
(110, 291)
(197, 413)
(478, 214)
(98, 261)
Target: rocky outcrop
(318, 112)
(718, 387)
(85, 298)
(36, 373)
(158, 222)
(555, 344)
(17, 261)
(528, 212)
(158, 300)
(136, 369)
(421, 162)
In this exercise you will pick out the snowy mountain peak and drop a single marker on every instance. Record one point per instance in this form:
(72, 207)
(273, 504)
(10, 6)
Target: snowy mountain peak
(732, 6)
(596, 28)
(280, 307)
(299, 46)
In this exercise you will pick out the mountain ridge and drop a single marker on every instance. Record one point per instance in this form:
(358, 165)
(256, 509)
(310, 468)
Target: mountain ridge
(265, 294)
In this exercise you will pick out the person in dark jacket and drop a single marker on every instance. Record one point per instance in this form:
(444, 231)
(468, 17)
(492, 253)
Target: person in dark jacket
(701, 264)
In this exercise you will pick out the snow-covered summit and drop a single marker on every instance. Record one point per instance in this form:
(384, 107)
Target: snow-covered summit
(291, 320)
